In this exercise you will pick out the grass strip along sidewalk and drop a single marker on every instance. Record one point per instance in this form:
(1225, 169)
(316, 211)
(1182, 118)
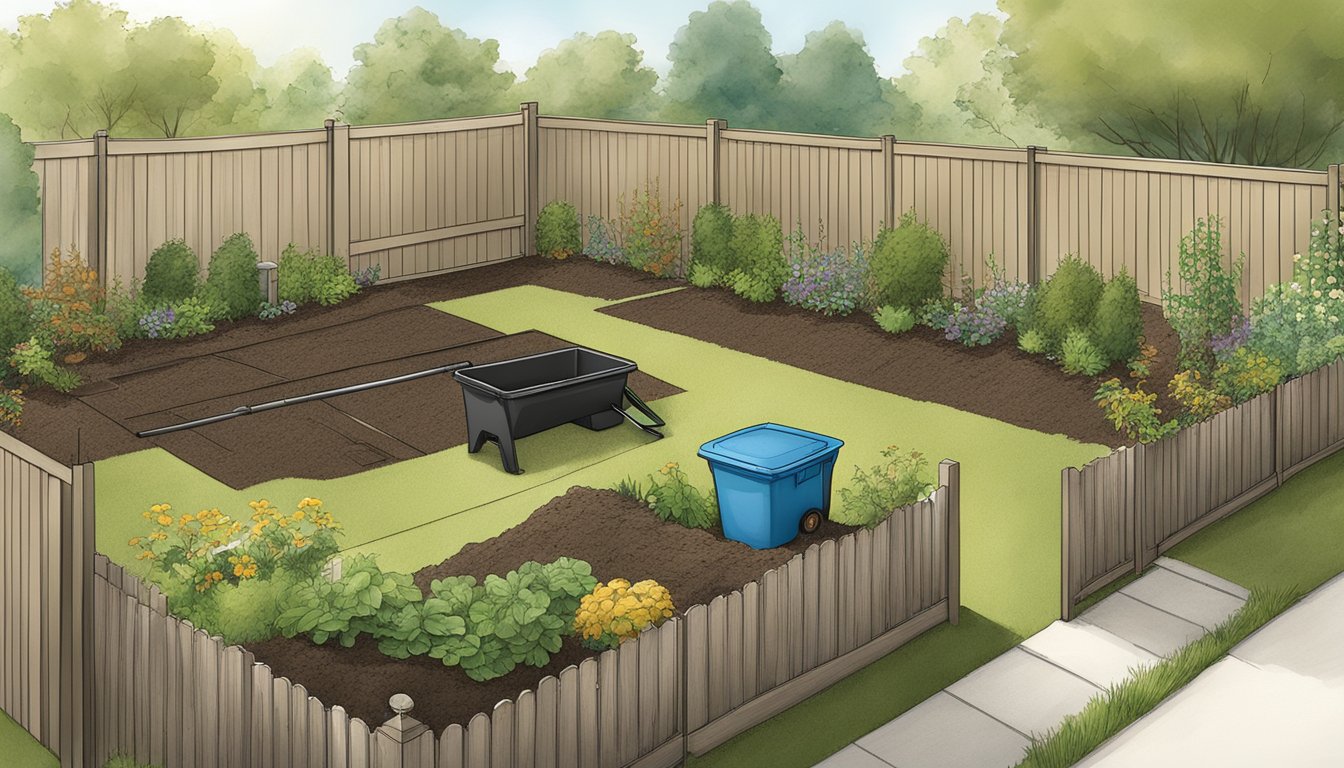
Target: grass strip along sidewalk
(1123, 704)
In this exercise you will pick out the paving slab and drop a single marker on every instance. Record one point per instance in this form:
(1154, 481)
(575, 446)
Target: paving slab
(1089, 652)
(1307, 639)
(1024, 691)
(1151, 629)
(1203, 577)
(943, 731)
(1185, 597)
(852, 757)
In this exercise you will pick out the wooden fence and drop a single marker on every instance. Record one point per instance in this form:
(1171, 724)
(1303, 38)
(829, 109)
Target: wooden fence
(46, 547)
(422, 198)
(116, 674)
(1123, 510)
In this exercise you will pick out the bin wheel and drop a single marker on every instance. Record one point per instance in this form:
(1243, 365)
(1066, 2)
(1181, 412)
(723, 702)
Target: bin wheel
(811, 521)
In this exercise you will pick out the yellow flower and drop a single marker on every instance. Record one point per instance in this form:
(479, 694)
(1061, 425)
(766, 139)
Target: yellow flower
(297, 516)
(135, 542)
(165, 520)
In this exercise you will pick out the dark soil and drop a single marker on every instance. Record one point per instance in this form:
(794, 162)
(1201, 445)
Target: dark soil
(383, 332)
(694, 565)
(998, 380)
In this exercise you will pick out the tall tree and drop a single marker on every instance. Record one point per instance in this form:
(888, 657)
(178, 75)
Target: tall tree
(1232, 81)
(170, 65)
(832, 86)
(299, 92)
(957, 78)
(418, 69)
(722, 67)
(599, 75)
(238, 104)
(21, 246)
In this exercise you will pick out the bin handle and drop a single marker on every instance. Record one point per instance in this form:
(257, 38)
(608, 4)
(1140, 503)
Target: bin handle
(643, 408)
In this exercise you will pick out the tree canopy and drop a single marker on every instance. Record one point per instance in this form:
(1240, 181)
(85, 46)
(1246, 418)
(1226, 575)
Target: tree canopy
(600, 75)
(722, 67)
(1230, 81)
(832, 86)
(21, 247)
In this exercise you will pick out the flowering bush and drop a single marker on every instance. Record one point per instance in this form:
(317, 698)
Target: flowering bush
(604, 242)
(1224, 345)
(1010, 300)
(69, 309)
(1134, 412)
(619, 610)
(1213, 304)
(1301, 324)
(651, 233)
(1246, 373)
(888, 487)
(11, 408)
(934, 313)
(32, 360)
(974, 326)
(676, 500)
(189, 318)
(831, 281)
(1199, 401)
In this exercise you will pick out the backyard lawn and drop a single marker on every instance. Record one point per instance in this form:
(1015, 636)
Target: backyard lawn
(418, 511)
(21, 749)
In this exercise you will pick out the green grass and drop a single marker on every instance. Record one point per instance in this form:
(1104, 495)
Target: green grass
(1124, 703)
(1288, 539)
(823, 724)
(21, 749)
(418, 512)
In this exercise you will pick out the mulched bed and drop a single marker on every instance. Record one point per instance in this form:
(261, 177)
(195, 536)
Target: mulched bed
(998, 380)
(618, 536)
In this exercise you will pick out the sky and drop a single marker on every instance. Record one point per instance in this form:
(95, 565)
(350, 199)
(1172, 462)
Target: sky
(525, 28)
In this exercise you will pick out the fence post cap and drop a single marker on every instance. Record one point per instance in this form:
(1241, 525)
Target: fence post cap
(401, 703)
(266, 265)
(402, 728)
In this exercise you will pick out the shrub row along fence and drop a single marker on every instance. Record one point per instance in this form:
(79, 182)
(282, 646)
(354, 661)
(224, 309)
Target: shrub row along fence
(99, 667)
(422, 198)
(1123, 510)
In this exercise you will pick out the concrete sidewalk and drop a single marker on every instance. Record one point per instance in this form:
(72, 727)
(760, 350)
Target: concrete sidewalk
(1277, 699)
(985, 719)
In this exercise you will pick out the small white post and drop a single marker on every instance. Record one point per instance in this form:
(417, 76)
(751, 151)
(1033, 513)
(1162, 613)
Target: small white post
(270, 287)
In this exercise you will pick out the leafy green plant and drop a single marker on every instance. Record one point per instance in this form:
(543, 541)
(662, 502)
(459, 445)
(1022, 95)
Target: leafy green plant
(336, 288)
(1079, 355)
(651, 233)
(676, 500)
(832, 281)
(705, 276)
(1199, 401)
(362, 600)
(753, 287)
(1212, 305)
(1124, 703)
(172, 274)
(15, 324)
(712, 239)
(309, 276)
(271, 311)
(192, 318)
(630, 488)
(874, 495)
(69, 311)
(246, 612)
(11, 408)
(907, 263)
(604, 241)
(232, 287)
(1247, 373)
(32, 360)
(1134, 412)
(434, 627)
(1067, 301)
(758, 245)
(1032, 342)
(558, 234)
(894, 319)
(1118, 323)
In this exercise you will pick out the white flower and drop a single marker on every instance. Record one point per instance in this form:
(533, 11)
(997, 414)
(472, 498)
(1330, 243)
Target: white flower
(1296, 287)
(1297, 257)
(1300, 317)
(1330, 280)
(1316, 294)
(1336, 293)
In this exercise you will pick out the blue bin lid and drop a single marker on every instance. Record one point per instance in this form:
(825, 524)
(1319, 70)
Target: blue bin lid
(769, 449)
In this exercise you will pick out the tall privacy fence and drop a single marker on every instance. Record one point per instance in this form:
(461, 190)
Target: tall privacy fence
(99, 667)
(1123, 510)
(422, 198)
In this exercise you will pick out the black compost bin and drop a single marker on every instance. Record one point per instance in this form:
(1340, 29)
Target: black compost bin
(515, 398)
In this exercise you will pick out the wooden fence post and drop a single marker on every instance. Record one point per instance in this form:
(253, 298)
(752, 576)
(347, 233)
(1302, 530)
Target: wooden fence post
(531, 176)
(77, 738)
(1034, 271)
(1332, 199)
(403, 741)
(1066, 502)
(713, 150)
(97, 257)
(888, 181)
(949, 479)
(338, 189)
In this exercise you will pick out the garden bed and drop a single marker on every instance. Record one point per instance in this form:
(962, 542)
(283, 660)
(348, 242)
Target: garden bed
(694, 565)
(997, 380)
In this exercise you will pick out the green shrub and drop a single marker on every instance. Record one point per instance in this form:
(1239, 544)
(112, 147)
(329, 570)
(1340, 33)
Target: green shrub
(908, 264)
(1066, 301)
(758, 246)
(232, 287)
(1079, 355)
(336, 286)
(364, 598)
(16, 325)
(246, 612)
(191, 317)
(1032, 342)
(1118, 323)
(676, 500)
(890, 486)
(11, 407)
(753, 287)
(172, 274)
(650, 233)
(307, 276)
(1247, 373)
(1213, 304)
(558, 234)
(712, 239)
(1133, 412)
(705, 276)
(32, 360)
(894, 319)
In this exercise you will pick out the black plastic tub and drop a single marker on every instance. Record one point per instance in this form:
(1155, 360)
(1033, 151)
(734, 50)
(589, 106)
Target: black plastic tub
(515, 398)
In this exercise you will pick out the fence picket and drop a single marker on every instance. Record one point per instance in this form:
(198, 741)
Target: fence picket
(567, 711)
(588, 713)
(525, 730)
(501, 735)
(608, 714)
(452, 747)
(478, 741)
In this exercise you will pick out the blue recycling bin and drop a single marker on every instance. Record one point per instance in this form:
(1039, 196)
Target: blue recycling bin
(771, 481)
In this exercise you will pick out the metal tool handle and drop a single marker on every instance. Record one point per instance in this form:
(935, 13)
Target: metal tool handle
(643, 408)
